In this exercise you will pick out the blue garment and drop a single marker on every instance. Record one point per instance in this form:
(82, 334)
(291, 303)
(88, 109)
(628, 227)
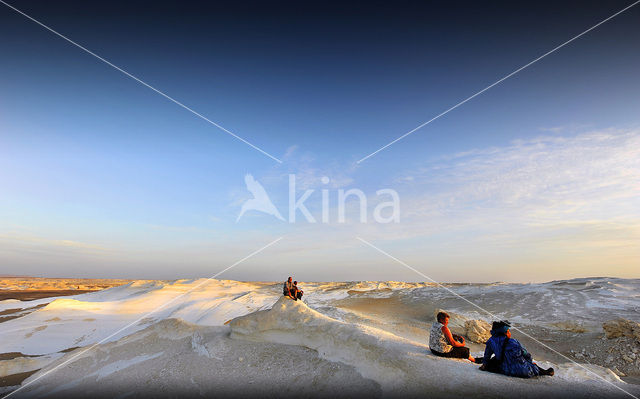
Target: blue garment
(517, 362)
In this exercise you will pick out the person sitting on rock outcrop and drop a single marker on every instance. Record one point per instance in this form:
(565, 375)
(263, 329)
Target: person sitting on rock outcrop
(511, 358)
(297, 294)
(287, 289)
(443, 343)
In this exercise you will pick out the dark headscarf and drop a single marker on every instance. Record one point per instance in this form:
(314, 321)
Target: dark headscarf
(500, 328)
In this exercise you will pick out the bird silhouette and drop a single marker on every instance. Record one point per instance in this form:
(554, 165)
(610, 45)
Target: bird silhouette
(260, 201)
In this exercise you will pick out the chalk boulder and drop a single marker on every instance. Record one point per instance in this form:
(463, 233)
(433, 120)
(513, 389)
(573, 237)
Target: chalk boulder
(621, 328)
(477, 331)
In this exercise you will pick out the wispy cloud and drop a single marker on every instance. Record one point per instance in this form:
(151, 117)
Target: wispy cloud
(555, 201)
(569, 128)
(549, 196)
(548, 178)
(575, 191)
(54, 243)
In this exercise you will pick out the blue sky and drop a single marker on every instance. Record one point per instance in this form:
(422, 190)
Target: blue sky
(534, 180)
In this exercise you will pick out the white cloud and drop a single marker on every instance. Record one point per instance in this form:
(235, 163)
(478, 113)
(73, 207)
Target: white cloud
(529, 187)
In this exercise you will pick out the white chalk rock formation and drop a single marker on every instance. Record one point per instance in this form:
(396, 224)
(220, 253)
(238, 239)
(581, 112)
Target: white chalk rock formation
(293, 322)
(404, 367)
(478, 331)
(622, 328)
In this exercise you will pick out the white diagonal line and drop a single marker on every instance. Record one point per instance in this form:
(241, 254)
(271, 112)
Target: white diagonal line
(143, 83)
(490, 314)
(497, 82)
(144, 316)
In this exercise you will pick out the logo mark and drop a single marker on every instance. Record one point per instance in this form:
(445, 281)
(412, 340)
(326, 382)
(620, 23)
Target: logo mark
(384, 211)
(260, 201)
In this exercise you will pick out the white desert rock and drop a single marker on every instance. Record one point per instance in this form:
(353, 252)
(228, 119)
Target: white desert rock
(622, 328)
(478, 331)
(403, 367)
(570, 326)
(24, 364)
(184, 347)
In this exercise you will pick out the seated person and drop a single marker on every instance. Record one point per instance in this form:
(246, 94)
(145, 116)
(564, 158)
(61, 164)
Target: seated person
(287, 289)
(297, 294)
(442, 342)
(511, 358)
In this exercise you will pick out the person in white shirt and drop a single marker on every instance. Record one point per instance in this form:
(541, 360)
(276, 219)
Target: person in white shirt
(443, 343)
